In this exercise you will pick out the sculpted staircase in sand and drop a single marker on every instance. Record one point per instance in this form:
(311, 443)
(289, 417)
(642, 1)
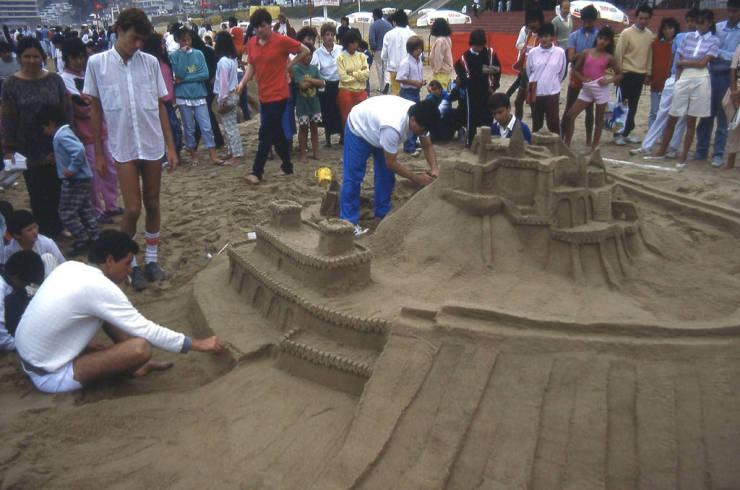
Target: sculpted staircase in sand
(292, 257)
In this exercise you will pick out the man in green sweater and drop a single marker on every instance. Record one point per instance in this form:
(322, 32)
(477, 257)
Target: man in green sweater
(634, 54)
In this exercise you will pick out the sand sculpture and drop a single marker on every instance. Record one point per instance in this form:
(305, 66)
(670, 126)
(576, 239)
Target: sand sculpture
(463, 380)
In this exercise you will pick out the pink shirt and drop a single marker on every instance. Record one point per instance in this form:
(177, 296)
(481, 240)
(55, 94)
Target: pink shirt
(547, 68)
(80, 106)
(594, 68)
(169, 81)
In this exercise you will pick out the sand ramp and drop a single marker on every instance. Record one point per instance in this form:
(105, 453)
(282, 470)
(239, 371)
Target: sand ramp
(483, 417)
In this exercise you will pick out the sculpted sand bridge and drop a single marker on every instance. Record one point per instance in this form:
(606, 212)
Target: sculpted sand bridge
(517, 324)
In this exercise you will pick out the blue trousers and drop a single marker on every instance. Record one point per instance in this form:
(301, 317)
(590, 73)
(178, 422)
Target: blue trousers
(189, 115)
(720, 83)
(354, 159)
(410, 94)
(243, 98)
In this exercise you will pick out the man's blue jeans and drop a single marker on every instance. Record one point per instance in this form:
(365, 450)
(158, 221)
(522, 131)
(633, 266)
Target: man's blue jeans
(410, 94)
(720, 84)
(354, 160)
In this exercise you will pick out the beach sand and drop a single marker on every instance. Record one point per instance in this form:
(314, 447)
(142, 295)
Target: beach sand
(220, 421)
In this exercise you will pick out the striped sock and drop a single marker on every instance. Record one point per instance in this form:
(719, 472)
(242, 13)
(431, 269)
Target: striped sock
(152, 242)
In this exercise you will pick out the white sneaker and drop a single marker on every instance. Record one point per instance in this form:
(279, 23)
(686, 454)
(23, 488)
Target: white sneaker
(632, 139)
(359, 230)
(638, 151)
(680, 165)
(672, 154)
(717, 161)
(619, 140)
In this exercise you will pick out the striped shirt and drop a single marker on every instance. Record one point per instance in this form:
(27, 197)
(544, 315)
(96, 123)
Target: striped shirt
(696, 46)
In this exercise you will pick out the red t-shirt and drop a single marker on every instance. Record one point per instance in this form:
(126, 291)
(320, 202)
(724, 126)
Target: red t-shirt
(269, 61)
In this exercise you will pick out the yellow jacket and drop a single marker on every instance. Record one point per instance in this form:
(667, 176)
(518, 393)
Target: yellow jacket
(357, 64)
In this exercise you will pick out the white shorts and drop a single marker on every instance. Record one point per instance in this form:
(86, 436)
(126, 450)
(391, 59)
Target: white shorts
(593, 92)
(60, 381)
(692, 97)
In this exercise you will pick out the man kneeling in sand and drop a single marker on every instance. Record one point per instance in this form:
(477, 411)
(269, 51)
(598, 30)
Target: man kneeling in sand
(54, 335)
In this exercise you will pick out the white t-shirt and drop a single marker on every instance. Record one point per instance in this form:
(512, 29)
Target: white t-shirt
(327, 62)
(43, 245)
(382, 121)
(68, 310)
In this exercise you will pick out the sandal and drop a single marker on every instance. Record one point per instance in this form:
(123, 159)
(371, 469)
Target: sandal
(221, 163)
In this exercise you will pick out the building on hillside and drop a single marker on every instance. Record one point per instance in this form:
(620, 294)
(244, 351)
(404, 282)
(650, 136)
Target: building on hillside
(16, 12)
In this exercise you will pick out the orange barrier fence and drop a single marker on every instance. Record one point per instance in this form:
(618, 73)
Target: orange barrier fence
(503, 44)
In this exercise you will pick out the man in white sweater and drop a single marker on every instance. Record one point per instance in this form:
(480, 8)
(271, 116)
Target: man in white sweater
(74, 302)
(394, 46)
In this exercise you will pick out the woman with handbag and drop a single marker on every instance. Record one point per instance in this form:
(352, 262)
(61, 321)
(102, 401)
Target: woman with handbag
(228, 101)
(545, 69)
(479, 72)
(527, 40)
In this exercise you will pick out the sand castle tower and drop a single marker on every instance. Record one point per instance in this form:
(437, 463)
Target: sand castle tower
(561, 207)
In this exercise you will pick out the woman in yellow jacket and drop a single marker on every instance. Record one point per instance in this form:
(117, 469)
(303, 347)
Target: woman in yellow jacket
(354, 71)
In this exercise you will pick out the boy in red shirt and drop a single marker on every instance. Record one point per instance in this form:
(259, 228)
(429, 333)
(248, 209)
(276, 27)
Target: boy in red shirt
(267, 58)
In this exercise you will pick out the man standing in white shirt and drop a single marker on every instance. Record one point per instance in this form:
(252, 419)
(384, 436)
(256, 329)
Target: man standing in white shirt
(54, 335)
(394, 46)
(127, 87)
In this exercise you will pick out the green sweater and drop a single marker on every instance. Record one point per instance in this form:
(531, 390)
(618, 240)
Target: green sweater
(191, 69)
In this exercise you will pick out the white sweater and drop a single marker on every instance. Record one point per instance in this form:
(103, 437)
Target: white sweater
(394, 46)
(69, 308)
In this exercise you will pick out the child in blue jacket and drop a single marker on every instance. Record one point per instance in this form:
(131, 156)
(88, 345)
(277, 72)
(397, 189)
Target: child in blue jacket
(75, 208)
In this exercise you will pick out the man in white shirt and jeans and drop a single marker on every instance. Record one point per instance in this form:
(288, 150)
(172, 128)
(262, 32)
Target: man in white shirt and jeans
(394, 47)
(54, 336)
(376, 127)
(126, 87)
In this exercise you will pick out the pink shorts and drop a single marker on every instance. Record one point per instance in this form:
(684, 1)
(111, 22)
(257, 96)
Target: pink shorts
(593, 92)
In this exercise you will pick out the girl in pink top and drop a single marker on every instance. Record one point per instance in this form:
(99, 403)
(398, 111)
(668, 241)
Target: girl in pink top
(104, 185)
(590, 69)
(155, 46)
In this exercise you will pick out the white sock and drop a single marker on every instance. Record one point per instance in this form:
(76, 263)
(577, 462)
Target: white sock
(152, 243)
(133, 262)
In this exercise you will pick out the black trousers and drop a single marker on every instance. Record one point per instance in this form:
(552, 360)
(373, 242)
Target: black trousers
(330, 116)
(631, 86)
(546, 108)
(271, 133)
(44, 188)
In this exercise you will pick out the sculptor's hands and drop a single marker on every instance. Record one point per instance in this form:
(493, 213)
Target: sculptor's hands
(424, 179)
(210, 344)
